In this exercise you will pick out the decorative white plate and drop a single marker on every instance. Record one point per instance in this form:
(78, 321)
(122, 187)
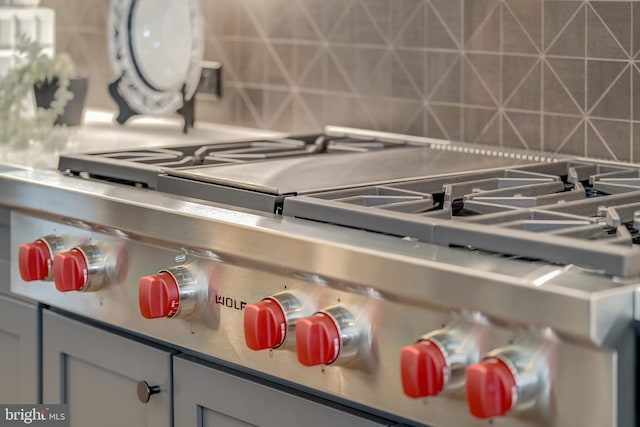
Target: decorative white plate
(155, 48)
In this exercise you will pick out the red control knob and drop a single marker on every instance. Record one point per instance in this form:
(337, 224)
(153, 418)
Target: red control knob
(423, 368)
(317, 340)
(265, 325)
(70, 271)
(34, 261)
(491, 388)
(158, 296)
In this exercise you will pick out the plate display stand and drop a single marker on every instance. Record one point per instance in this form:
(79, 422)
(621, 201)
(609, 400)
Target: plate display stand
(125, 111)
(156, 49)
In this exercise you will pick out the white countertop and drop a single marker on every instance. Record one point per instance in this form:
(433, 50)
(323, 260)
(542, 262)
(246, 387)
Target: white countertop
(100, 133)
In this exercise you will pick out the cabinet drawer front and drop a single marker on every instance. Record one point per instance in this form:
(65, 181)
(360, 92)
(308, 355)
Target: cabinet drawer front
(18, 351)
(97, 372)
(207, 397)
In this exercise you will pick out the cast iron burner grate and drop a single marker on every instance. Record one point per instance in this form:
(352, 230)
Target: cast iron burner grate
(569, 212)
(142, 166)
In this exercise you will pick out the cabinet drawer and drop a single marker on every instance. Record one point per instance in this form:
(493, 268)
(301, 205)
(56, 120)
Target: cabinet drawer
(18, 351)
(207, 397)
(97, 373)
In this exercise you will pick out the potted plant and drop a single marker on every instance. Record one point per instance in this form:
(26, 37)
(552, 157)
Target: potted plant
(23, 124)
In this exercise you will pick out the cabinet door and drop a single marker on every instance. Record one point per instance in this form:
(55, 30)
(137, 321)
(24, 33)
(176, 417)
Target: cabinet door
(207, 397)
(18, 351)
(97, 373)
(5, 243)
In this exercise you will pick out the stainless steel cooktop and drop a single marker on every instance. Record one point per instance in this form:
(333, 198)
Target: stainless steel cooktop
(512, 268)
(528, 205)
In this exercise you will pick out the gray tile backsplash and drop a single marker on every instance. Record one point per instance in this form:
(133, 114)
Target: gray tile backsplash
(557, 75)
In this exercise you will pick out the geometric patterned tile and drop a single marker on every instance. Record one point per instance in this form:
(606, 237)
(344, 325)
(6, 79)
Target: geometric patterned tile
(448, 119)
(635, 30)
(450, 14)
(283, 53)
(571, 74)
(254, 101)
(276, 70)
(528, 14)
(378, 11)
(278, 112)
(361, 65)
(490, 134)
(406, 117)
(476, 14)
(597, 144)
(309, 109)
(635, 78)
(576, 142)
(335, 78)
(558, 16)
(434, 129)
(437, 34)
(614, 133)
(444, 77)
(246, 22)
(527, 126)
(322, 14)
(481, 125)
(305, 60)
(555, 74)
(486, 37)
(615, 102)
(570, 38)
(408, 76)
(518, 41)
(487, 68)
(563, 134)
(521, 82)
(476, 90)
(377, 109)
(601, 77)
(313, 74)
(511, 137)
(377, 82)
(355, 26)
(304, 119)
(557, 98)
(251, 61)
(635, 142)
(616, 18)
(602, 41)
(408, 23)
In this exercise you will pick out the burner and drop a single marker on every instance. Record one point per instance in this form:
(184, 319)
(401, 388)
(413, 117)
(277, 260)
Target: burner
(543, 212)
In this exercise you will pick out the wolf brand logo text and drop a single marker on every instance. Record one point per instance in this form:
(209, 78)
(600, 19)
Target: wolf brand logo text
(230, 302)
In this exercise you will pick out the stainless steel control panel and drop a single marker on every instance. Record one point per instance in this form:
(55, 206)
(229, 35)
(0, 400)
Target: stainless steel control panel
(345, 339)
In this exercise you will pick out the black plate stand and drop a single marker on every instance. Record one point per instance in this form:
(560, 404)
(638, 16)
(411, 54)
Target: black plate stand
(125, 111)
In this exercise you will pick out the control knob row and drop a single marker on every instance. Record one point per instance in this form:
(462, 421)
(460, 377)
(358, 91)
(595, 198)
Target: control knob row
(35, 259)
(321, 338)
(496, 385)
(78, 268)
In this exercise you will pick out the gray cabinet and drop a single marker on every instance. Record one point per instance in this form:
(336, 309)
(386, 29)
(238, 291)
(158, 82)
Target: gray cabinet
(207, 397)
(18, 351)
(97, 373)
(5, 242)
